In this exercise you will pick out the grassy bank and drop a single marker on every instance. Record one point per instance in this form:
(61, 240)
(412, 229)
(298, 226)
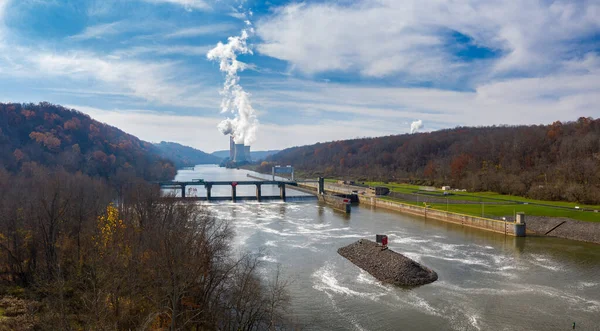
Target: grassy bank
(493, 205)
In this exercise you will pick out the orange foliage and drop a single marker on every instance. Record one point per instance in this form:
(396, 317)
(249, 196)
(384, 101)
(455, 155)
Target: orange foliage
(50, 117)
(47, 139)
(72, 124)
(29, 114)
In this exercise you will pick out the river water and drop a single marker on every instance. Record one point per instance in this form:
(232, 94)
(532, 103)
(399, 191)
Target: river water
(487, 281)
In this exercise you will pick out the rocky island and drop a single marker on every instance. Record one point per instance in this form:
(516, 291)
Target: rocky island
(386, 265)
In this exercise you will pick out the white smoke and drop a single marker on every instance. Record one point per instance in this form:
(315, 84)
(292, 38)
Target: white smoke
(415, 126)
(235, 100)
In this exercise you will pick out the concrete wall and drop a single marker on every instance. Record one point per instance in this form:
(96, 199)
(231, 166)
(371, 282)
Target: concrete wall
(335, 202)
(508, 228)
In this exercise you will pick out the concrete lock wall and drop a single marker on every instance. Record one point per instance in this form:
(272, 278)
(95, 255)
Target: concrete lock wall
(336, 202)
(508, 228)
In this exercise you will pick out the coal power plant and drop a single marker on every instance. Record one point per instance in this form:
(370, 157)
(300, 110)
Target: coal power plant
(238, 152)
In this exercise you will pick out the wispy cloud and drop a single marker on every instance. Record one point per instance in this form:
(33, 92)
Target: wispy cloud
(184, 50)
(187, 4)
(158, 82)
(3, 5)
(201, 30)
(99, 31)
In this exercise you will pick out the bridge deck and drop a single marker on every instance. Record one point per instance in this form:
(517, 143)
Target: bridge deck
(228, 182)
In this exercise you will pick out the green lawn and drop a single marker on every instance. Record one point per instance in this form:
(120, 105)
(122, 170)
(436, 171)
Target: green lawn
(493, 211)
(496, 210)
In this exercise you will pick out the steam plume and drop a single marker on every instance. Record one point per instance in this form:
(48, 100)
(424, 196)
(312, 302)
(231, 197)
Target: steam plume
(235, 100)
(415, 126)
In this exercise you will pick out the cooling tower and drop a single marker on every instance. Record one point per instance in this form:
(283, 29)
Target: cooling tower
(247, 153)
(240, 153)
(231, 148)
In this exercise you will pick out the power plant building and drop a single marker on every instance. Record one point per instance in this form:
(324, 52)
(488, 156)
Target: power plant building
(238, 152)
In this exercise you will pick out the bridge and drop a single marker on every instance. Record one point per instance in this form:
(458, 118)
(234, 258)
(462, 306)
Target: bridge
(182, 185)
(341, 203)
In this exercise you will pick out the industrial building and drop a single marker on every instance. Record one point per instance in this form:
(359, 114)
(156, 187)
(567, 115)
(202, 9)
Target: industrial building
(238, 152)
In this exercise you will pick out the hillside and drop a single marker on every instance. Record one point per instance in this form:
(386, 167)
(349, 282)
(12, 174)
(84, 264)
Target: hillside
(256, 155)
(560, 161)
(184, 156)
(54, 136)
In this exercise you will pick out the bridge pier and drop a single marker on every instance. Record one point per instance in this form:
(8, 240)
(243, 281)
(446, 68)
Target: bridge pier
(208, 192)
(258, 193)
(234, 191)
(282, 191)
(182, 190)
(321, 185)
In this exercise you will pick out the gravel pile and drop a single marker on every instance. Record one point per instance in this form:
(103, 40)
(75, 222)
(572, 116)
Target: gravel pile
(387, 265)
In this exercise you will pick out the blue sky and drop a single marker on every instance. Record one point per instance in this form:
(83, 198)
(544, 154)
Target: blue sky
(320, 70)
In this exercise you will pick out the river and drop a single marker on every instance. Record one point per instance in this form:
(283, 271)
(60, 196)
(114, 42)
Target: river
(487, 281)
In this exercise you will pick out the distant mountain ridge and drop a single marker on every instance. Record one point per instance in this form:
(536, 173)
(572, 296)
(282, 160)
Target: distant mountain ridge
(256, 155)
(185, 156)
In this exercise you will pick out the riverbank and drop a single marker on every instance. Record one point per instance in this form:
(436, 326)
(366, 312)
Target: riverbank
(562, 227)
(386, 265)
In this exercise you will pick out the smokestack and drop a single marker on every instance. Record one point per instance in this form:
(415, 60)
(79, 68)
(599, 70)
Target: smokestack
(247, 152)
(231, 148)
(240, 154)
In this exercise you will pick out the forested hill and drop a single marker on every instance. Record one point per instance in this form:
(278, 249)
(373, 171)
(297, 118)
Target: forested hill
(54, 136)
(185, 156)
(560, 161)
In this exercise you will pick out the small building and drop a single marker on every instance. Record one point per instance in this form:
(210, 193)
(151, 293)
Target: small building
(446, 188)
(378, 190)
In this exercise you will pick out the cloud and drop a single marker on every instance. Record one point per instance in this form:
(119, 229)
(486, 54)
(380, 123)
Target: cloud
(416, 38)
(159, 82)
(163, 50)
(560, 96)
(189, 5)
(195, 131)
(3, 5)
(99, 31)
(201, 31)
(416, 126)
(343, 111)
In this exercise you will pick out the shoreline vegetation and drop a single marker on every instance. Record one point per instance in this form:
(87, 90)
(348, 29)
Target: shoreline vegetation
(82, 253)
